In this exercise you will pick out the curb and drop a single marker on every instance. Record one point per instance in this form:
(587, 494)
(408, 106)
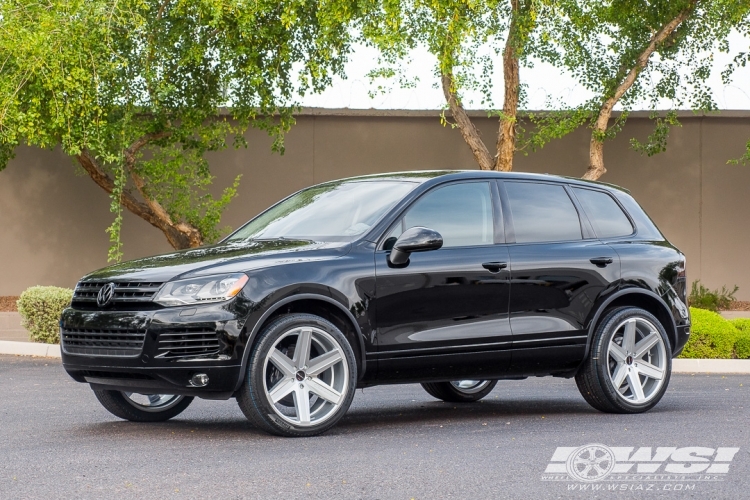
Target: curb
(736, 366)
(29, 349)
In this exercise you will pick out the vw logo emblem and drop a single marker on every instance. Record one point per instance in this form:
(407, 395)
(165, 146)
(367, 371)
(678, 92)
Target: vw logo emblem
(105, 295)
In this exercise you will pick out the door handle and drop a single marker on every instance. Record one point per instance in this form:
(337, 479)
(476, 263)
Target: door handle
(495, 267)
(601, 261)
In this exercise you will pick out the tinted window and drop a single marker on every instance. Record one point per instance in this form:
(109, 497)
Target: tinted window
(461, 213)
(542, 212)
(604, 213)
(336, 211)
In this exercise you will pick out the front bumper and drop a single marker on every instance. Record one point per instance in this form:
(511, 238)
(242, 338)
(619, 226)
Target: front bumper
(683, 335)
(154, 368)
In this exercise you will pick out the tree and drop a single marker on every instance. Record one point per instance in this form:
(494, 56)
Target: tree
(133, 91)
(624, 52)
(630, 51)
(454, 31)
(741, 23)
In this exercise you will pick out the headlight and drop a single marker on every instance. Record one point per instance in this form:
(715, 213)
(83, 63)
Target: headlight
(201, 290)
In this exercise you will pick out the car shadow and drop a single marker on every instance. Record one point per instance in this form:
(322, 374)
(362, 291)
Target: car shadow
(437, 412)
(402, 415)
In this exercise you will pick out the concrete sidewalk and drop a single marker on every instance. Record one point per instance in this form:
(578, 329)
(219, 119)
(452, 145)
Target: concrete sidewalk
(734, 314)
(29, 349)
(14, 339)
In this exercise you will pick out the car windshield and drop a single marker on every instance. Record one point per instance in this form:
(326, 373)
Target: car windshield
(336, 211)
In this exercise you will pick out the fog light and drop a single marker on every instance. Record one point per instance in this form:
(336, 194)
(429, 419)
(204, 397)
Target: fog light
(199, 380)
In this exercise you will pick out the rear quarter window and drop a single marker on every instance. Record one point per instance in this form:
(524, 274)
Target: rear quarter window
(643, 223)
(605, 214)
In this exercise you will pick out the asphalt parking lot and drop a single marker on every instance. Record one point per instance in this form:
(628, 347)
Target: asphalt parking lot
(56, 441)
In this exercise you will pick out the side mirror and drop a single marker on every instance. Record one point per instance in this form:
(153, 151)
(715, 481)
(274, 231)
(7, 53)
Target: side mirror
(415, 239)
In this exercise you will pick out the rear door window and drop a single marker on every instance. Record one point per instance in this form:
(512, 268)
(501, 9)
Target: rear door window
(604, 213)
(542, 213)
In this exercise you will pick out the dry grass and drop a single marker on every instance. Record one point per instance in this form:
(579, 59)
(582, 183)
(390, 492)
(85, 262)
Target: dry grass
(8, 303)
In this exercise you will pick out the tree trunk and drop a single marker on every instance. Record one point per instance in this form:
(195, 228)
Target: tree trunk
(180, 235)
(467, 128)
(506, 137)
(596, 159)
(596, 146)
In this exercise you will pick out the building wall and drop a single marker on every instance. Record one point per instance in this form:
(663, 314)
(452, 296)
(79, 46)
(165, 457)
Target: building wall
(53, 217)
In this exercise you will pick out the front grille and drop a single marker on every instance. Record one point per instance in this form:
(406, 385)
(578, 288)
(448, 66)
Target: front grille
(103, 342)
(125, 292)
(188, 342)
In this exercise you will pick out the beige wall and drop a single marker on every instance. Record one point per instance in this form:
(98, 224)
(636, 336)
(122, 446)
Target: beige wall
(52, 221)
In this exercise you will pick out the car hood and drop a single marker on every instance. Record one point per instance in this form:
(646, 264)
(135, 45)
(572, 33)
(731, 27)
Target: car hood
(221, 258)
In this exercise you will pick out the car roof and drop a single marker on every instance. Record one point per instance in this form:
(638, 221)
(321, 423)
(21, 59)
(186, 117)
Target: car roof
(421, 176)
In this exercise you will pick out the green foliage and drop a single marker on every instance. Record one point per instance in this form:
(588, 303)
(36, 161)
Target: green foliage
(142, 89)
(40, 308)
(456, 33)
(717, 338)
(711, 336)
(713, 300)
(657, 140)
(742, 346)
(599, 42)
(741, 60)
(451, 31)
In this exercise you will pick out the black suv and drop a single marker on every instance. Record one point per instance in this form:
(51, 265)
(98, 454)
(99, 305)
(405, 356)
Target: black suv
(450, 279)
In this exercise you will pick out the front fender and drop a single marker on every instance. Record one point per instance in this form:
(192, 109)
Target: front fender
(286, 297)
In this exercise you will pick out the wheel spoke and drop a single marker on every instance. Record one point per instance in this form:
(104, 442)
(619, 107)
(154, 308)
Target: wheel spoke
(649, 370)
(302, 349)
(302, 404)
(619, 376)
(324, 390)
(634, 382)
(640, 359)
(646, 344)
(617, 352)
(323, 362)
(316, 387)
(628, 336)
(282, 388)
(283, 363)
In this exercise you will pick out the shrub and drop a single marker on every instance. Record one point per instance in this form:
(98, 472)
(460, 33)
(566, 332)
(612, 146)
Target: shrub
(40, 308)
(742, 346)
(711, 336)
(713, 300)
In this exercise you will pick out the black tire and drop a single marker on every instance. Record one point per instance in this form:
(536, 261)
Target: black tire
(594, 378)
(254, 400)
(452, 394)
(117, 404)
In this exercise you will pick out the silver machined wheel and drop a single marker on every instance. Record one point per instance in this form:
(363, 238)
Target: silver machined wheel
(306, 376)
(637, 360)
(470, 386)
(152, 402)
